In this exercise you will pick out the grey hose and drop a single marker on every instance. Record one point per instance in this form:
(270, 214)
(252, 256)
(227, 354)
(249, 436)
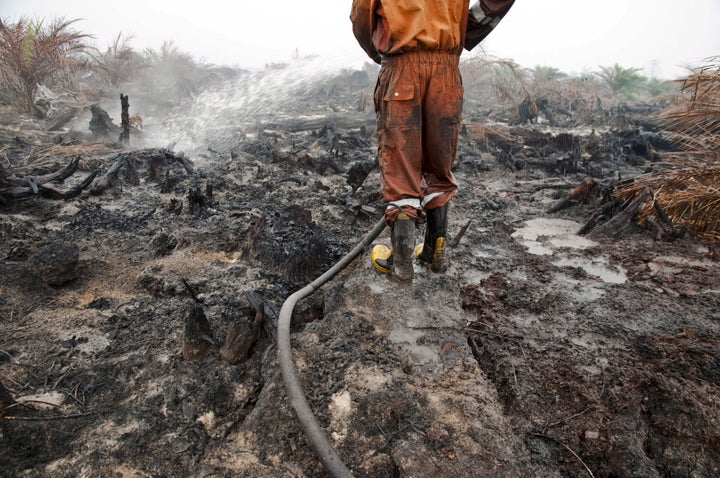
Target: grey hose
(309, 423)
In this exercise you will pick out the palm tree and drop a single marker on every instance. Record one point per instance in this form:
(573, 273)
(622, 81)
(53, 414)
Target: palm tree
(175, 73)
(34, 53)
(542, 74)
(118, 63)
(622, 82)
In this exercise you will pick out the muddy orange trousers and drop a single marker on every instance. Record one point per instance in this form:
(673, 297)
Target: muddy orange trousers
(418, 101)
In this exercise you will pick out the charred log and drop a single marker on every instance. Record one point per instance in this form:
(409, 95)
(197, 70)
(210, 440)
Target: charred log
(606, 210)
(623, 221)
(296, 125)
(20, 187)
(580, 193)
(124, 119)
(62, 120)
(110, 178)
(129, 165)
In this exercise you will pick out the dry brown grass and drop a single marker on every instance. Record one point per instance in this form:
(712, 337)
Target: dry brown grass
(55, 156)
(687, 185)
(481, 132)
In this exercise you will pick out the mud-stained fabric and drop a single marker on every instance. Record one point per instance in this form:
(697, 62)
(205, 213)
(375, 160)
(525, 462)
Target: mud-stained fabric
(418, 100)
(419, 93)
(389, 27)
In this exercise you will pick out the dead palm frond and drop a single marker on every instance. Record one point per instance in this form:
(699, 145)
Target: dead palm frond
(694, 119)
(687, 187)
(118, 63)
(32, 53)
(493, 81)
(689, 195)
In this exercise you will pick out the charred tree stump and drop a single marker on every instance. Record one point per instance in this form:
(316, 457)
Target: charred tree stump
(101, 124)
(293, 246)
(243, 333)
(623, 221)
(358, 172)
(6, 399)
(124, 119)
(270, 318)
(197, 200)
(240, 338)
(197, 336)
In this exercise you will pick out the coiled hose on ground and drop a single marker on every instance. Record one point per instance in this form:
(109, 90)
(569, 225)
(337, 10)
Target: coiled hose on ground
(332, 462)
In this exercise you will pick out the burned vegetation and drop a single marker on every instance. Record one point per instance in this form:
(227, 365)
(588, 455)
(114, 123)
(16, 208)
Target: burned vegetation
(575, 334)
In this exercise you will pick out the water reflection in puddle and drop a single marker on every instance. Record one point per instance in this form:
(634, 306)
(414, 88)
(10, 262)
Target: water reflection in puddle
(542, 236)
(547, 236)
(597, 267)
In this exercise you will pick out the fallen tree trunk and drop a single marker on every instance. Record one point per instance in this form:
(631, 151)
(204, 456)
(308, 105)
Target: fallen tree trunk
(311, 124)
(109, 179)
(156, 159)
(22, 187)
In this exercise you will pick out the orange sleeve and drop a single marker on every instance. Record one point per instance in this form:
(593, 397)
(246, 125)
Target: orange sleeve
(363, 22)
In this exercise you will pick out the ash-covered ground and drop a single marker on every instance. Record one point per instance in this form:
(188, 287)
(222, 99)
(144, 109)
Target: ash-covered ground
(539, 353)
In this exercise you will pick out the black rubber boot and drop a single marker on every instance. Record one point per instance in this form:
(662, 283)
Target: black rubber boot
(432, 252)
(397, 261)
(403, 243)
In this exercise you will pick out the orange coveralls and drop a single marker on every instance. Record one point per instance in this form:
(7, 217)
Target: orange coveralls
(419, 92)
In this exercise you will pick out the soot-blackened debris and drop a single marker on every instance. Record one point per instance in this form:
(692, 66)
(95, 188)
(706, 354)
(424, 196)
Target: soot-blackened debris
(163, 244)
(241, 336)
(55, 263)
(198, 341)
(358, 172)
(293, 246)
(93, 218)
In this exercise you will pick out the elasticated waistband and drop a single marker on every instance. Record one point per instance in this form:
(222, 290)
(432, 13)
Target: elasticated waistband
(422, 57)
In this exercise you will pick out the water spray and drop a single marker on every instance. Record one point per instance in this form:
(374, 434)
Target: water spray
(221, 116)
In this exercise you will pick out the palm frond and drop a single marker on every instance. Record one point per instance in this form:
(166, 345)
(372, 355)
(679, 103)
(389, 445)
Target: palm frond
(687, 185)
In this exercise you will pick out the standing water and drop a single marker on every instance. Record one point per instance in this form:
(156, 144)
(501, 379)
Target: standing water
(557, 237)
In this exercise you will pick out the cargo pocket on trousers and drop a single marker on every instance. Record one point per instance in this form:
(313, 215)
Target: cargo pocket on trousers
(400, 105)
(400, 93)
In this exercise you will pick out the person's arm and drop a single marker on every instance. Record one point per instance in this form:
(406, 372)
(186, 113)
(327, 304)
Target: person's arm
(483, 17)
(362, 18)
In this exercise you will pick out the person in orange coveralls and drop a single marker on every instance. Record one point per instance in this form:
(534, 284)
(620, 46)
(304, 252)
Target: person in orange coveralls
(418, 101)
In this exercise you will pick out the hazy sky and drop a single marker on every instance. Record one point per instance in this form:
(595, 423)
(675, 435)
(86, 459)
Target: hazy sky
(660, 36)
